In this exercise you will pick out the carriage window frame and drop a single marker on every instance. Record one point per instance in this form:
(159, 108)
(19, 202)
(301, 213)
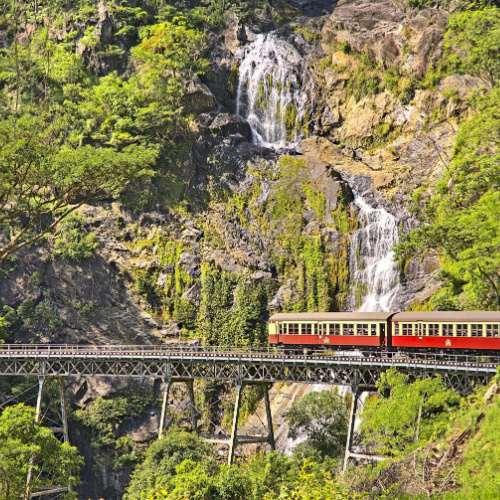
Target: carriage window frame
(306, 329)
(335, 329)
(446, 327)
(462, 330)
(407, 329)
(433, 330)
(492, 330)
(477, 330)
(293, 328)
(363, 329)
(349, 329)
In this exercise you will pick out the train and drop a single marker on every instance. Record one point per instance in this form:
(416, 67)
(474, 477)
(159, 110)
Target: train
(461, 332)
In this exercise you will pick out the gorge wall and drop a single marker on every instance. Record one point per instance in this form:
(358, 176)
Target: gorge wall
(311, 132)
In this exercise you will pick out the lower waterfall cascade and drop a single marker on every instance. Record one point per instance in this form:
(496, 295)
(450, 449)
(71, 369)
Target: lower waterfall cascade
(373, 271)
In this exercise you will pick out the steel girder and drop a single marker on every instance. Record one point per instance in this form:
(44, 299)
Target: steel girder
(315, 371)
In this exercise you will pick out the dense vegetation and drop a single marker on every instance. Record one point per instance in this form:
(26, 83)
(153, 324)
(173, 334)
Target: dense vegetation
(87, 117)
(460, 217)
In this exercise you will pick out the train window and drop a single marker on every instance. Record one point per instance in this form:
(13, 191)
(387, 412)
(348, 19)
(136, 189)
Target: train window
(433, 330)
(407, 329)
(306, 329)
(396, 329)
(349, 329)
(282, 329)
(293, 329)
(334, 329)
(462, 330)
(476, 330)
(492, 330)
(374, 329)
(448, 330)
(363, 329)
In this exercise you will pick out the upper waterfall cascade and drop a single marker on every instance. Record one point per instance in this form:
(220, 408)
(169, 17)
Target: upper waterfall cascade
(274, 92)
(373, 271)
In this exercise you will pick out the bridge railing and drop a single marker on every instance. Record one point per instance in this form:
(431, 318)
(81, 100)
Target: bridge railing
(246, 352)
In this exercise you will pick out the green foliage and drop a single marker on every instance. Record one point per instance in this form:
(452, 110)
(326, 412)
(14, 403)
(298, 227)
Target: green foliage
(412, 414)
(41, 178)
(3, 330)
(472, 42)
(226, 322)
(313, 483)
(103, 419)
(461, 220)
(477, 474)
(163, 458)
(36, 279)
(179, 467)
(73, 241)
(24, 443)
(31, 318)
(320, 417)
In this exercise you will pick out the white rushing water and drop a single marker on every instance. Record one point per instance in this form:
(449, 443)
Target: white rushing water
(274, 92)
(374, 273)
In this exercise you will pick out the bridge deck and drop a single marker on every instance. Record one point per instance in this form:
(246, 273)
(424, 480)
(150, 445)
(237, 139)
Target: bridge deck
(243, 364)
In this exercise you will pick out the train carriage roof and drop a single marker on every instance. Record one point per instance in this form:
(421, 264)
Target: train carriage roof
(448, 316)
(332, 316)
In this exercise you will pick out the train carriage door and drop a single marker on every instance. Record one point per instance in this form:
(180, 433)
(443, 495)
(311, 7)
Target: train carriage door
(420, 333)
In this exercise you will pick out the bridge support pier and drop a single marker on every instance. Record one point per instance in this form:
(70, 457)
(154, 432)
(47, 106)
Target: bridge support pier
(63, 430)
(235, 440)
(166, 390)
(352, 419)
(356, 394)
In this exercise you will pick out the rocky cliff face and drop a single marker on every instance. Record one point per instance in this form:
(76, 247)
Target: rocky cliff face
(273, 224)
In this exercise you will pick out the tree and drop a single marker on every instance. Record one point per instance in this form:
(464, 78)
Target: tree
(461, 221)
(413, 413)
(473, 38)
(313, 483)
(163, 458)
(42, 181)
(24, 444)
(322, 418)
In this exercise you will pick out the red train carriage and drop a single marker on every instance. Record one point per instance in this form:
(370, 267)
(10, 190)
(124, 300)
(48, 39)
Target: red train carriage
(446, 330)
(340, 330)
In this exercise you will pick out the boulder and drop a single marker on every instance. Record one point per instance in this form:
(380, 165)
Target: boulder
(228, 124)
(461, 84)
(197, 98)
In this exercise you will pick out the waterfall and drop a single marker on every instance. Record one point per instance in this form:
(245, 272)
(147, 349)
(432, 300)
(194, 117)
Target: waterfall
(274, 92)
(374, 273)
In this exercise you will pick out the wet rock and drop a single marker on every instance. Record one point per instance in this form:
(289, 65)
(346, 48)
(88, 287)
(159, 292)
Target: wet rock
(197, 98)
(225, 124)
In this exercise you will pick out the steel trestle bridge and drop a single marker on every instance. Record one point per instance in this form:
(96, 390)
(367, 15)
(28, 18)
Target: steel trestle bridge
(239, 364)
(242, 366)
